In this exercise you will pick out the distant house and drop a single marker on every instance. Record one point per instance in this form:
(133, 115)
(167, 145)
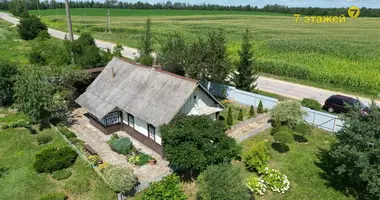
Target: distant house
(138, 99)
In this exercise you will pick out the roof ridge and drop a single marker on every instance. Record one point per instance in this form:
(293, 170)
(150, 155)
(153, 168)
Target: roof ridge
(159, 70)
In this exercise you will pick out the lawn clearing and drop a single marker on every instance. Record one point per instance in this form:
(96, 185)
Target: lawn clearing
(344, 55)
(299, 165)
(18, 148)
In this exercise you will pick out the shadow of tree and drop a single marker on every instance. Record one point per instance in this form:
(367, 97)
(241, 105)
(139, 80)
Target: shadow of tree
(280, 147)
(339, 182)
(300, 138)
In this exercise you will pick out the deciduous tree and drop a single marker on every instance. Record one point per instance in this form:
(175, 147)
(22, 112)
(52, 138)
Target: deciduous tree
(7, 74)
(191, 143)
(30, 27)
(173, 54)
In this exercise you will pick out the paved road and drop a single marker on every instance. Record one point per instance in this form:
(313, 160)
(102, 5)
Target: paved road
(288, 89)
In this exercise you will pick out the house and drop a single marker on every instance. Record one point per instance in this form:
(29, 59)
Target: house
(138, 99)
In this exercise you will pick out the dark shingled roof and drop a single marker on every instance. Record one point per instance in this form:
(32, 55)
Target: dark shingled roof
(150, 94)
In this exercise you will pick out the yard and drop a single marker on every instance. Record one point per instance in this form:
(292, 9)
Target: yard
(299, 165)
(235, 108)
(18, 148)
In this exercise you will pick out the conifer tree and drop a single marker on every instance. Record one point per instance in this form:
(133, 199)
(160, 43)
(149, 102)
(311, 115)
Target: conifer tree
(240, 116)
(246, 76)
(251, 111)
(260, 107)
(229, 117)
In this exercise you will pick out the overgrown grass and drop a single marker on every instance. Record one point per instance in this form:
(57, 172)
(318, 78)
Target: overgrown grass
(18, 148)
(12, 49)
(344, 55)
(299, 165)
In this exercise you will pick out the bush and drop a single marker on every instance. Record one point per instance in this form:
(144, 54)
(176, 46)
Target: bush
(256, 185)
(43, 35)
(53, 159)
(169, 188)
(121, 179)
(222, 182)
(18, 124)
(252, 111)
(121, 145)
(146, 60)
(54, 196)
(288, 113)
(4, 126)
(94, 159)
(240, 116)
(144, 158)
(44, 138)
(311, 103)
(260, 107)
(66, 132)
(276, 181)
(256, 157)
(61, 174)
(103, 166)
(284, 137)
(30, 27)
(303, 129)
(229, 119)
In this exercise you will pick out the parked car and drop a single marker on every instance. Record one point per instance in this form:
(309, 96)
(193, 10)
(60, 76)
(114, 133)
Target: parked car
(342, 104)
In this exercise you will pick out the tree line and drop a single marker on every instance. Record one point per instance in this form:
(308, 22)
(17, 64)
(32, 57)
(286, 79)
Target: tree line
(276, 8)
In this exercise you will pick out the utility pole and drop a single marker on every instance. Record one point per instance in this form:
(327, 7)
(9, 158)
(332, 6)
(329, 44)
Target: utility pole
(85, 22)
(70, 29)
(108, 22)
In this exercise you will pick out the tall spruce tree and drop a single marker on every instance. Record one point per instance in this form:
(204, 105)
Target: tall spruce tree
(195, 64)
(246, 76)
(146, 45)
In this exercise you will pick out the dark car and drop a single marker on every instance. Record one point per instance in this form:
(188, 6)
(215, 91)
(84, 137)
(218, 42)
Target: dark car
(342, 104)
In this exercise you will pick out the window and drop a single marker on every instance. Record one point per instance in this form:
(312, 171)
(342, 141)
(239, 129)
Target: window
(112, 118)
(131, 120)
(151, 131)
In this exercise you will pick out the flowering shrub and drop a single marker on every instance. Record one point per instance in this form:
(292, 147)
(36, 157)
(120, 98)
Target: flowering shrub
(276, 181)
(256, 157)
(256, 185)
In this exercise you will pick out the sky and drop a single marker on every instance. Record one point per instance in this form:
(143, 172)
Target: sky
(290, 3)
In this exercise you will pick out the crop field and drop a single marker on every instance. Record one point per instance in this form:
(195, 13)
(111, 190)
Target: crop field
(345, 55)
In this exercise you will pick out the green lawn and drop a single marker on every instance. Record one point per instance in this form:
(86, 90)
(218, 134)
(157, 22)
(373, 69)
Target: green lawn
(299, 165)
(17, 150)
(344, 55)
(12, 49)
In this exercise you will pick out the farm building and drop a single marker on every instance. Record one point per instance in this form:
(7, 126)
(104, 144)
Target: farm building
(138, 99)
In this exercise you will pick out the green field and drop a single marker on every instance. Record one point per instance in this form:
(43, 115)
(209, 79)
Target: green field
(344, 55)
(18, 148)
